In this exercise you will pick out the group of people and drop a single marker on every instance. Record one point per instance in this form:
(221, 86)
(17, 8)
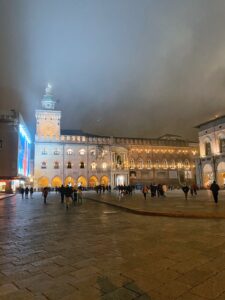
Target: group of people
(193, 190)
(26, 191)
(102, 188)
(70, 194)
(155, 190)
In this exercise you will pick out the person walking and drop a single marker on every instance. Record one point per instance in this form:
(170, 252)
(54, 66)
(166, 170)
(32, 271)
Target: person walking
(31, 192)
(215, 191)
(45, 194)
(68, 196)
(79, 195)
(22, 192)
(185, 189)
(62, 192)
(145, 191)
(74, 195)
(26, 192)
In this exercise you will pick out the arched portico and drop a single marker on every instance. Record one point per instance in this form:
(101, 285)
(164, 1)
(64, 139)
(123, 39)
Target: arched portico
(56, 181)
(207, 174)
(69, 181)
(82, 181)
(43, 182)
(93, 181)
(221, 173)
(104, 180)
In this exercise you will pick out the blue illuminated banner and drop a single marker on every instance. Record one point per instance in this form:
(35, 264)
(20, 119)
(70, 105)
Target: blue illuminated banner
(24, 152)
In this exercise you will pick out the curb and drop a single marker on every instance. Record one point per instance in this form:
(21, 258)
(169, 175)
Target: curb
(7, 196)
(159, 214)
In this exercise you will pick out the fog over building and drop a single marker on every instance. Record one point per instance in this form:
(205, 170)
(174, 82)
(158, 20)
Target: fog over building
(75, 157)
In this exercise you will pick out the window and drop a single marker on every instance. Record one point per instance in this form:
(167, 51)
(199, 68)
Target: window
(69, 165)
(93, 166)
(156, 164)
(56, 152)
(149, 164)
(82, 151)
(222, 145)
(104, 165)
(69, 151)
(208, 149)
(92, 152)
(140, 163)
(186, 164)
(43, 165)
(179, 165)
(81, 165)
(164, 164)
(44, 152)
(173, 164)
(56, 165)
(132, 164)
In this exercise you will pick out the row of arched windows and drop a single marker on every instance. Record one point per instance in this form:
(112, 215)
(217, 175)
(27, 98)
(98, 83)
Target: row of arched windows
(157, 164)
(69, 165)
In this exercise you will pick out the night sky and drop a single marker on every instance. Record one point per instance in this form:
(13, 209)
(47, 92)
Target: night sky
(138, 68)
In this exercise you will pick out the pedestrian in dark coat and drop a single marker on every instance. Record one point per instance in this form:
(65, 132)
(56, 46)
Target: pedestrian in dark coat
(45, 194)
(22, 191)
(185, 190)
(31, 192)
(26, 192)
(215, 190)
(62, 193)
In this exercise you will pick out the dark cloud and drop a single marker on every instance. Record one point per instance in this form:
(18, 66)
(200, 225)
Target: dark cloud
(121, 67)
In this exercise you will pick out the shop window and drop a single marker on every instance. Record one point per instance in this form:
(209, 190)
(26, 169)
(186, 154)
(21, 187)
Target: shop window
(81, 165)
(69, 165)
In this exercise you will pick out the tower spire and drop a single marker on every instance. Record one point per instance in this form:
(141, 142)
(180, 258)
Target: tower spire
(47, 102)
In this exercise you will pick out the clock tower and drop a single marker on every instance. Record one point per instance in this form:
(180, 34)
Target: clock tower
(47, 118)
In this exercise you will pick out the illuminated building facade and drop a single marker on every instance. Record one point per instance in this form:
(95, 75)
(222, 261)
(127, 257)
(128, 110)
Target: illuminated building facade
(75, 157)
(211, 161)
(15, 146)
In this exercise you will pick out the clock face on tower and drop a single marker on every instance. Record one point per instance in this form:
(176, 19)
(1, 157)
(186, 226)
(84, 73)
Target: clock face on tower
(48, 129)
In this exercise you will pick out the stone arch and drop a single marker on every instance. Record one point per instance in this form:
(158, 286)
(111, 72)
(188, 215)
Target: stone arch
(43, 182)
(56, 181)
(104, 180)
(69, 181)
(93, 181)
(82, 181)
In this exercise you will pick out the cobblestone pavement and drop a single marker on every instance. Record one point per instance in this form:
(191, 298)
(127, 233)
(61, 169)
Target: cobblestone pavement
(174, 204)
(95, 251)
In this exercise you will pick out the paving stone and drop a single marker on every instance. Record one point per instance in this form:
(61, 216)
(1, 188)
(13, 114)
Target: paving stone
(120, 294)
(7, 289)
(212, 287)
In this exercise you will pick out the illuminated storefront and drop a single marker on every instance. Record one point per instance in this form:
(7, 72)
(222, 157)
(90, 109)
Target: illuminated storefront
(15, 152)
